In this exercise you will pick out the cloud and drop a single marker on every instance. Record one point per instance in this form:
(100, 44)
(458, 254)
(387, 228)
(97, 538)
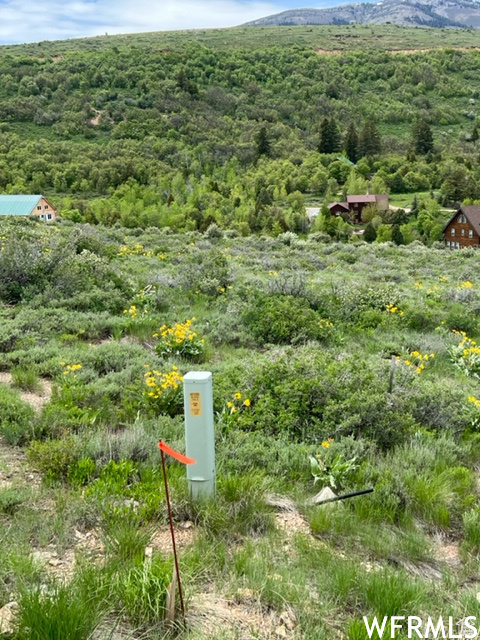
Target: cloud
(36, 20)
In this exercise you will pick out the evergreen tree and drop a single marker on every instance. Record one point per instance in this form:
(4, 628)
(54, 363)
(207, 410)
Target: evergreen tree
(414, 208)
(474, 137)
(262, 142)
(369, 141)
(351, 143)
(397, 184)
(397, 235)
(329, 136)
(370, 235)
(422, 136)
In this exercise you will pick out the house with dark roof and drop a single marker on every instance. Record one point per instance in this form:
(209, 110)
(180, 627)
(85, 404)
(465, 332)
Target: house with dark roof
(27, 206)
(354, 205)
(463, 228)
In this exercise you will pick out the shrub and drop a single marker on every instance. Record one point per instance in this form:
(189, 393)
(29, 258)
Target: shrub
(54, 458)
(26, 378)
(17, 418)
(11, 499)
(284, 319)
(180, 340)
(164, 391)
(206, 272)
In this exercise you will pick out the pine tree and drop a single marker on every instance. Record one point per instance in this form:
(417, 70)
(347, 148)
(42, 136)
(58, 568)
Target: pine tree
(474, 137)
(351, 143)
(422, 136)
(369, 141)
(329, 136)
(414, 208)
(262, 142)
(397, 235)
(370, 235)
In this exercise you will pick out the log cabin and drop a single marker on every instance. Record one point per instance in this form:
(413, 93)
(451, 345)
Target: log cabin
(355, 204)
(463, 228)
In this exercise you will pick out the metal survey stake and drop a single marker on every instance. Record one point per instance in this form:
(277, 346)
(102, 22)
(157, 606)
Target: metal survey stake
(199, 433)
(165, 449)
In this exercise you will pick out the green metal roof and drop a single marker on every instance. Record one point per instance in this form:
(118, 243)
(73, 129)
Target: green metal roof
(21, 205)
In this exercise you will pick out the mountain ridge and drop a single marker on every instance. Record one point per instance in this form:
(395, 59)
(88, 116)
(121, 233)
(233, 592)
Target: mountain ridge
(461, 14)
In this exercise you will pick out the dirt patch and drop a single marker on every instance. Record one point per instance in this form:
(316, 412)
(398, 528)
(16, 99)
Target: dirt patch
(14, 469)
(291, 524)
(325, 52)
(184, 536)
(62, 566)
(241, 618)
(449, 553)
(35, 400)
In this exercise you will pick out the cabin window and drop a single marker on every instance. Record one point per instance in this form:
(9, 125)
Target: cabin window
(46, 206)
(463, 232)
(39, 208)
(448, 243)
(470, 233)
(452, 232)
(461, 218)
(49, 216)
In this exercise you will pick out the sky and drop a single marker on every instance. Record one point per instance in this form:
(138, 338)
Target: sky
(37, 20)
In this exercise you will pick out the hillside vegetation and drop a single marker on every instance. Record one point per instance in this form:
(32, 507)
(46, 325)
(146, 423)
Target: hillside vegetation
(182, 171)
(183, 134)
(347, 365)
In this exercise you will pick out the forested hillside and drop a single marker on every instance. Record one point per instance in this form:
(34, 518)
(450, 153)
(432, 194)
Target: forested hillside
(189, 135)
(342, 367)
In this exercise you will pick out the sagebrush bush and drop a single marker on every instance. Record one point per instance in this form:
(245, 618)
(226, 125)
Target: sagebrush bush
(17, 418)
(54, 458)
(282, 319)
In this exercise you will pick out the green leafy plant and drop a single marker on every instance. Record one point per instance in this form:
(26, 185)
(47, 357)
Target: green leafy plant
(54, 458)
(466, 355)
(333, 470)
(180, 339)
(164, 391)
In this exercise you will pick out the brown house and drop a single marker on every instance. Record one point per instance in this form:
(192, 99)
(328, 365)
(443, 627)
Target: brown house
(463, 228)
(355, 204)
(339, 208)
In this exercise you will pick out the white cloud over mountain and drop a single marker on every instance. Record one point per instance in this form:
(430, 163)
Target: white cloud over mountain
(36, 20)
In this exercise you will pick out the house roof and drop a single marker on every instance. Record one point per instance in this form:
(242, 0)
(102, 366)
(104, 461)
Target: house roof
(364, 198)
(471, 212)
(341, 204)
(18, 205)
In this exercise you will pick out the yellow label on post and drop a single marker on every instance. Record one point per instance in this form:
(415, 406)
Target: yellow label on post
(195, 404)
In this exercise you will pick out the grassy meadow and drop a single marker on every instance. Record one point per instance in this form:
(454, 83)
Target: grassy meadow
(343, 366)
(336, 38)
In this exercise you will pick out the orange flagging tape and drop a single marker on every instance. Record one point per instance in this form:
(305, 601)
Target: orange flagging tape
(175, 454)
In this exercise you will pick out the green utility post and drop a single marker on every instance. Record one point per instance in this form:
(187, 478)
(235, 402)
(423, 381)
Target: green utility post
(199, 433)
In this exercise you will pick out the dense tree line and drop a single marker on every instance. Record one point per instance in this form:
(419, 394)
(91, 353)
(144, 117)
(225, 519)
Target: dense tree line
(190, 137)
